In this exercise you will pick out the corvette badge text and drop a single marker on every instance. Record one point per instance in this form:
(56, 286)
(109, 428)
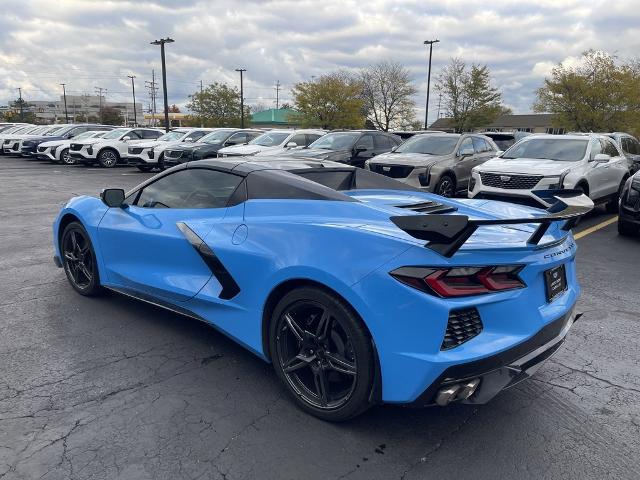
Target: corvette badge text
(564, 250)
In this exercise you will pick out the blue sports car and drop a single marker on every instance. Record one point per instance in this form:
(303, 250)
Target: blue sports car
(357, 288)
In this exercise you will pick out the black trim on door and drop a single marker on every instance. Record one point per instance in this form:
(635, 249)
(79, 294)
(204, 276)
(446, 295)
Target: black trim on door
(229, 286)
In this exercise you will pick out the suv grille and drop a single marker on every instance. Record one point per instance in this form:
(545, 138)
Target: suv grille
(462, 326)
(76, 146)
(393, 171)
(42, 149)
(173, 153)
(510, 182)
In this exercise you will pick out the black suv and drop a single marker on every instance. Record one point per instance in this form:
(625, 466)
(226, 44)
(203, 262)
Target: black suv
(630, 147)
(208, 146)
(353, 147)
(30, 145)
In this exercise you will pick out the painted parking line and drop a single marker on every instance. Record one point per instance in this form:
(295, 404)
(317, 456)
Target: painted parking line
(595, 228)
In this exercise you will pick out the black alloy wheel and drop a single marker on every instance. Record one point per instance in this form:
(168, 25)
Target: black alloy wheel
(108, 158)
(613, 204)
(79, 259)
(445, 187)
(66, 157)
(323, 354)
(161, 166)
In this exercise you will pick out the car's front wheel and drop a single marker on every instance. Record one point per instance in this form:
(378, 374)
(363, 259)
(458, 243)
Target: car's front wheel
(161, 166)
(323, 354)
(446, 186)
(108, 158)
(66, 157)
(612, 205)
(79, 260)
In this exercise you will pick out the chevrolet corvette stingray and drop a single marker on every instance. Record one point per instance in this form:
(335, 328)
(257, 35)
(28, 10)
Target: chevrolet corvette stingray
(358, 289)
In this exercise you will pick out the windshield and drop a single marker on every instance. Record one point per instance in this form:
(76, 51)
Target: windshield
(429, 145)
(216, 137)
(117, 133)
(270, 139)
(51, 131)
(82, 135)
(336, 141)
(171, 136)
(561, 149)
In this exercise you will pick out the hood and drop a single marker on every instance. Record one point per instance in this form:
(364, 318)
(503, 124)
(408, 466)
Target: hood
(148, 143)
(530, 166)
(54, 143)
(195, 146)
(319, 153)
(246, 149)
(42, 138)
(87, 141)
(415, 159)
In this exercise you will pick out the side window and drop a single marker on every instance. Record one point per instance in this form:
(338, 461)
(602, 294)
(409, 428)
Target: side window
(467, 144)
(151, 134)
(625, 144)
(609, 148)
(382, 143)
(365, 141)
(192, 188)
(252, 135)
(310, 138)
(237, 139)
(635, 146)
(479, 145)
(299, 139)
(596, 148)
(134, 135)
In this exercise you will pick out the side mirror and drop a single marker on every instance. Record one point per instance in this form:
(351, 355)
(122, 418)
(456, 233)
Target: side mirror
(112, 197)
(188, 140)
(360, 149)
(126, 138)
(291, 145)
(601, 158)
(466, 152)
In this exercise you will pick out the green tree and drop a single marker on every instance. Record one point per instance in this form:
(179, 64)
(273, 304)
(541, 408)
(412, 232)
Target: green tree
(598, 94)
(387, 91)
(13, 115)
(467, 95)
(112, 116)
(331, 101)
(218, 105)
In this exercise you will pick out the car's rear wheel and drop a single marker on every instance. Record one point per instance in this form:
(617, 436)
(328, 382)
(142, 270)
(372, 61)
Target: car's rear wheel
(79, 260)
(626, 229)
(66, 157)
(144, 168)
(108, 158)
(323, 354)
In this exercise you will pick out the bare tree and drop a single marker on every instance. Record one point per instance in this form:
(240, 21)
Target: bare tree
(468, 97)
(387, 91)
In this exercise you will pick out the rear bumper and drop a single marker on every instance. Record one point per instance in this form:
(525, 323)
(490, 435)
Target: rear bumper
(505, 369)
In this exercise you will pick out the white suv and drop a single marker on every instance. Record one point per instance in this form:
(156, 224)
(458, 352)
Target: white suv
(112, 148)
(588, 162)
(150, 154)
(273, 141)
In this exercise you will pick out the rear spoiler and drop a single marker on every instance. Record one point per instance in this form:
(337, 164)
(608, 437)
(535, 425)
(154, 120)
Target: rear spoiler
(447, 233)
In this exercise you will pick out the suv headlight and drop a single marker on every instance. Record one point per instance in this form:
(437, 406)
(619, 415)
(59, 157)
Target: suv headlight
(557, 181)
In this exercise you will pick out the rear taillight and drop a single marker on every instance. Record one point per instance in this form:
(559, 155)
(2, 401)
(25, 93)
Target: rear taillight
(461, 281)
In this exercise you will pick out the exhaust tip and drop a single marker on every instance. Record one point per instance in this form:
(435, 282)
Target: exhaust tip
(446, 394)
(468, 389)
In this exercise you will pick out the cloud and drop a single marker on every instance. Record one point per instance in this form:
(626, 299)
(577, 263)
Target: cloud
(87, 43)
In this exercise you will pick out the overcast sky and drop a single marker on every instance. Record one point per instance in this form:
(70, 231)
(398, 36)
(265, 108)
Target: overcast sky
(86, 43)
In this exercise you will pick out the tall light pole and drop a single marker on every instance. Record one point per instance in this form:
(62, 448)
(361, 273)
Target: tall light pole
(426, 113)
(241, 70)
(133, 88)
(21, 111)
(99, 91)
(64, 95)
(161, 42)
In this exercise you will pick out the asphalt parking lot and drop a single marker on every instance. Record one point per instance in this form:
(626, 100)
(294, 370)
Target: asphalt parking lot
(111, 388)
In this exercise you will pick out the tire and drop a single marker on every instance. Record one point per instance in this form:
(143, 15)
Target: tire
(446, 186)
(626, 229)
(144, 168)
(334, 378)
(161, 166)
(79, 260)
(612, 205)
(108, 158)
(67, 159)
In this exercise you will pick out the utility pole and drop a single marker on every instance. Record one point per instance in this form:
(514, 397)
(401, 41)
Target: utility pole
(200, 102)
(241, 70)
(153, 91)
(64, 95)
(99, 91)
(277, 94)
(439, 102)
(426, 113)
(21, 111)
(135, 115)
(161, 42)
